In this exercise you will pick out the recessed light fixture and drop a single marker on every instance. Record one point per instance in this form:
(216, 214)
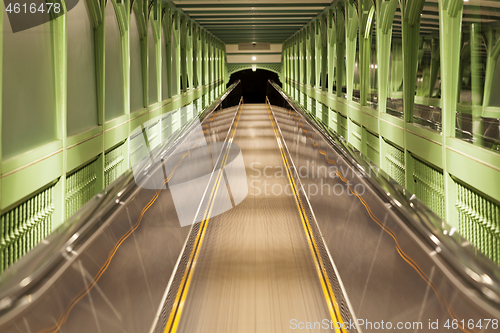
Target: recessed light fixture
(254, 58)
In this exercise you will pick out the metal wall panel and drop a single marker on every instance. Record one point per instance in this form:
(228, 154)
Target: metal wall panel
(28, 99)
(136, 86)
(113, 65)
(82, 89)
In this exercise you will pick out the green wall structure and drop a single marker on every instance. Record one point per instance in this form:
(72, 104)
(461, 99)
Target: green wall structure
(413, 86)
(410, 84)
(73, 91)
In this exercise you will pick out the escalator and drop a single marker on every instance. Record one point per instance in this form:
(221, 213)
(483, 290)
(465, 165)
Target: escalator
(252, 218)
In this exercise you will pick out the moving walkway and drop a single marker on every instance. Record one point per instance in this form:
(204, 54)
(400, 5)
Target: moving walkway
(252, 218)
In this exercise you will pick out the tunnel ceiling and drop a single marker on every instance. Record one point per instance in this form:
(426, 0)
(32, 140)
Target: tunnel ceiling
(236, 21)
(274, 21)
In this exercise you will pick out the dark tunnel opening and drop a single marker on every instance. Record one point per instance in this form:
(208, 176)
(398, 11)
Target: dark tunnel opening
(254, 84)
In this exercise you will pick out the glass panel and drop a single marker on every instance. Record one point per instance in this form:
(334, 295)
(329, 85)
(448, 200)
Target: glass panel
(427, 107)
(478, 109)
(395, 84)
(357, 78)
(427, 110)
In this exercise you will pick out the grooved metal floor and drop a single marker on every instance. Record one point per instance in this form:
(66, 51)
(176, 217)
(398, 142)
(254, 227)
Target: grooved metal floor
(255, 271)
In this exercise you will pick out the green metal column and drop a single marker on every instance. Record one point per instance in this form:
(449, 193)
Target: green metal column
(289, 72)
(100, 49)
(196, 31)
(219, 50)
(324, 51)
(296, 50)
(366, 17)
(184, 25)
(450, 32)
(410, 12)
(143, 15)
(286, 67)
(167, 24)
(59, 45)
(189, 55)
(204, 47)
(351, 37)
(285, 54)
(155, 17)
(341, 48)
(176, 63)
(292, 66)
(493, 51)
(303, 64)
(125, 10)
(331, 53)
(317, 53)
(311, 74)
(2, 241)
(385, 18)
(309, 66)
(211, 65)
(476, 65)
(217, 67)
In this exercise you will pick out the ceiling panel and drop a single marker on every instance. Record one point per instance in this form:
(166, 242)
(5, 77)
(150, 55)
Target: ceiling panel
(236, 21)
(274, 21)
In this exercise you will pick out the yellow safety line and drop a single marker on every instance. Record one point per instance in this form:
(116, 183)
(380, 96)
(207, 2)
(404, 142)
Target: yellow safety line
(319, 265)
(180, 299)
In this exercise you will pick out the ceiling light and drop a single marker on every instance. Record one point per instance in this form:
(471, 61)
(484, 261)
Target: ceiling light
(254, 58)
